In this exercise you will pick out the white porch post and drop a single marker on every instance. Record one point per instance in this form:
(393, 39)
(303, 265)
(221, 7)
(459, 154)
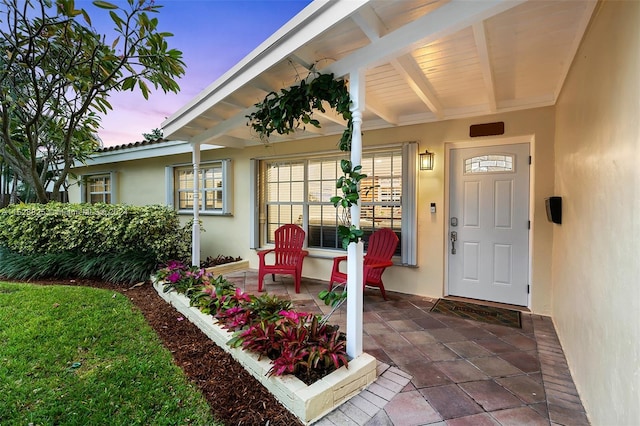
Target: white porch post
(355, 250)
(195, 231)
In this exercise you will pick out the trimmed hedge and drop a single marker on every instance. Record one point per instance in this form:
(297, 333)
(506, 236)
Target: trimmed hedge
(93, 228)
(109, 237)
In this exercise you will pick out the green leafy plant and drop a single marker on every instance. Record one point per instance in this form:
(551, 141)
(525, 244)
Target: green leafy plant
(124, 267)
(57, 75)
(94, 230)
(293, 108)
(334, 298)
(267, 307)
(222, 289)
(234, 311)
(182, 278)
(348, 234)
(349, 184)
(228, 305)
(297, 343)
(207, 298)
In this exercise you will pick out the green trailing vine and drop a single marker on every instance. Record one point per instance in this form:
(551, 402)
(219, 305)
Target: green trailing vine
(334, 298)
(349, 185)
(291, 109)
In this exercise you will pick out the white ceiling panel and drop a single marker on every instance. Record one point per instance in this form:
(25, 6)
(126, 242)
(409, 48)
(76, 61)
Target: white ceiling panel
(477, 58)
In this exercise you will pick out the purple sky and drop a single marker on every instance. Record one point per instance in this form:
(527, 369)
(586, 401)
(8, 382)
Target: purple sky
(213, 35)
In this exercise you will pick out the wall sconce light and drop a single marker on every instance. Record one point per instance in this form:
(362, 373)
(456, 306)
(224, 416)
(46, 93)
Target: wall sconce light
(426, 160)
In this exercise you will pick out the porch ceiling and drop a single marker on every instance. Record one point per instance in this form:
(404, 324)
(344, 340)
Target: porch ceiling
(424, 60)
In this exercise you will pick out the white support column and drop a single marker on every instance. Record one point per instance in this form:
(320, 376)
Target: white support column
(195, 231)
(355, 250)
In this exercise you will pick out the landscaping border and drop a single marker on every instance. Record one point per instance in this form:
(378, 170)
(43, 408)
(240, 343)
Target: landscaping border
(228, 268)
(308, 402)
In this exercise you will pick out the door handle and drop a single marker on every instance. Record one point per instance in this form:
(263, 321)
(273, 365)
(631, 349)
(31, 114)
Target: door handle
(454, 237)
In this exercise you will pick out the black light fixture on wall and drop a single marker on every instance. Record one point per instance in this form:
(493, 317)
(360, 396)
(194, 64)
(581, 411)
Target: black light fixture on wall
(426, 160)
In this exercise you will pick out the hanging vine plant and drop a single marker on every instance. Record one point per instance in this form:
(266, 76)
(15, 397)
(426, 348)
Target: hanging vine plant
(291, 109)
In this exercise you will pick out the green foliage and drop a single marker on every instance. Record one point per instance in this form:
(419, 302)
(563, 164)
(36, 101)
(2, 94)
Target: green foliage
(333, 297)
(182, 278)
(204, 291)
(268, 308)
(292, 108)
(297, 343)
(56, 74)
(349, 184)
(116, 243)
(156, 134)
(78, 355)
(125, 267)
(93, 230)
(348, 234)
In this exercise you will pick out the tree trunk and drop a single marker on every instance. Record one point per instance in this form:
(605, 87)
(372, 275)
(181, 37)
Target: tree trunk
(4, 184)
(38, 186)
(14, 190)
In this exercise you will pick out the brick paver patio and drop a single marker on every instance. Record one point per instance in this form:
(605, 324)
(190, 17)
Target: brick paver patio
(437, 369)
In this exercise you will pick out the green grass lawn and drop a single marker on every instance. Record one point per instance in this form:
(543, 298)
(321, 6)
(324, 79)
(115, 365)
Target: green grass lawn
(76, 355)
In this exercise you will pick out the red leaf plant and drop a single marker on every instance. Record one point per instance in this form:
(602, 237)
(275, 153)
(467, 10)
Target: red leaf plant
(296, 342)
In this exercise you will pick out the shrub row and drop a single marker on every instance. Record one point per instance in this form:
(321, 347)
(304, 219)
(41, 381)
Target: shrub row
(117, 243)
(93, 229)
(125, 267)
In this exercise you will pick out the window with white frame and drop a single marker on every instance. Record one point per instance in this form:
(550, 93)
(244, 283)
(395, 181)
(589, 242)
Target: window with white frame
(212, 183)
(98, 188)
(298, 190)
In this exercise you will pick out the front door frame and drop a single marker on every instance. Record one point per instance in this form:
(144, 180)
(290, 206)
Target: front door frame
(448, 146)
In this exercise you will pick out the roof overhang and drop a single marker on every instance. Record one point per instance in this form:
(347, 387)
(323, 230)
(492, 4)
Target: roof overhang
(161, 149)
(423, 60)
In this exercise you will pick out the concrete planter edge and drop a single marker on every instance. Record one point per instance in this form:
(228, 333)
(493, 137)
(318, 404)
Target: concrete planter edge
(308, 403)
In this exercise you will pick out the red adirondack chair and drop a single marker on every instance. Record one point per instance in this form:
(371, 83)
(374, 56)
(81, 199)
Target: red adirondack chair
(288, 255)
(382, 245)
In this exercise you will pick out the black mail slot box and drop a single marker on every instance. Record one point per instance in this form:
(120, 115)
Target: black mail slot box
(554, 209)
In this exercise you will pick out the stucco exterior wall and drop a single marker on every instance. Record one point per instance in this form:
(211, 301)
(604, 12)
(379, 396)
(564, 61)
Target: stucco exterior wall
(428, 278)
(142, 182)
(596, 296)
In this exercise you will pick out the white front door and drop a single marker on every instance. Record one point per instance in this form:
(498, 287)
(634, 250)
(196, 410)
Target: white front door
(489, 223)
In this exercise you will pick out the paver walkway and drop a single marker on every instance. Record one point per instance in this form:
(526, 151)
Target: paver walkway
(437, 369)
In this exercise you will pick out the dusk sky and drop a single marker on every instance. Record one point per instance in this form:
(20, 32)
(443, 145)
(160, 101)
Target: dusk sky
(212, 34)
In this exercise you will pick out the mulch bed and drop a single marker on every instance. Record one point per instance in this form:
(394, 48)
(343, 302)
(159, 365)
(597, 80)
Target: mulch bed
(235, 397)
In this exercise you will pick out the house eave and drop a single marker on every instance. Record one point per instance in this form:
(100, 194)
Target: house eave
(141, 152)
(308, 24)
